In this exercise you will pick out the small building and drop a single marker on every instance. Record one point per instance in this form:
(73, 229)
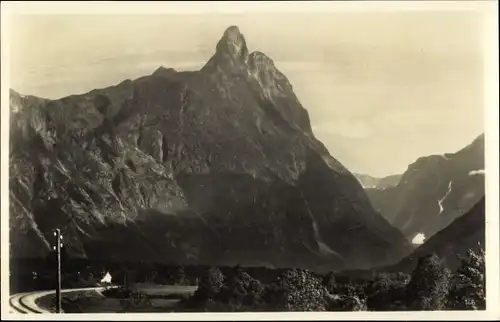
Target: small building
(107, 278)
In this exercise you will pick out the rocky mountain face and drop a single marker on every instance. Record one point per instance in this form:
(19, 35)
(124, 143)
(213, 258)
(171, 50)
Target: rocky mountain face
(216, 166)
(434, 191)
(466, 232)
(368, 181)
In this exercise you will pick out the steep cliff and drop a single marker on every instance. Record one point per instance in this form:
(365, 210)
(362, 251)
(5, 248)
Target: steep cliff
(215, 166)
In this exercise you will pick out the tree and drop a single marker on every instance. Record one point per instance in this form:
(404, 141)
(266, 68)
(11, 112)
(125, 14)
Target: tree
(387, 291)
(297, 290)
(210, 284)
(429, 285)
(468, 283)
(241, 290)
(179, 275)
(330, 282)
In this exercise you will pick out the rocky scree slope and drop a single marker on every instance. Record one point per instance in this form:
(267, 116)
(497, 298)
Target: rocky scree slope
(216, 166)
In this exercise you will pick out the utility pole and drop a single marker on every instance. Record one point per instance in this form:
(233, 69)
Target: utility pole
(57, 248)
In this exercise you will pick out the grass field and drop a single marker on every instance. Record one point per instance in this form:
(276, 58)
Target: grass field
(162, 298)
(164, 290)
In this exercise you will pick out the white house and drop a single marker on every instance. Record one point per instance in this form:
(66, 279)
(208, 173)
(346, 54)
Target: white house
(107, 278)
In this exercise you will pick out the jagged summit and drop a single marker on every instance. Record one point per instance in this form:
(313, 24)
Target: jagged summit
(233, 44)
(259, 58)
(232, 51)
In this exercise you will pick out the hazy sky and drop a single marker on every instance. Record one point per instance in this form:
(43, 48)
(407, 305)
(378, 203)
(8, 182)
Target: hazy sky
(382, 89)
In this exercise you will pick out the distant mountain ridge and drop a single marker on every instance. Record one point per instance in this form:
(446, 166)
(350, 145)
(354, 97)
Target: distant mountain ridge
(434, 191)
(368, 181)
(216, 166)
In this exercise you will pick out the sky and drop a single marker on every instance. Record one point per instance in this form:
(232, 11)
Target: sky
(382, 88)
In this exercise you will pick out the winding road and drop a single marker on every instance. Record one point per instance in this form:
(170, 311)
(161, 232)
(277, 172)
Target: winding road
(25, 303)
(17, 303)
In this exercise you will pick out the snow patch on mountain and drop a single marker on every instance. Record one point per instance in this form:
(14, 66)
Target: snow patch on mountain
(418, 239)
(440, 201)
(477, 172)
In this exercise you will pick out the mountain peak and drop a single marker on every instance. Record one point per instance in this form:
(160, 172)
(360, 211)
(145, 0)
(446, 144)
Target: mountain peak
(151, 150)
(258, 58)
(233, 44)
(162, 71)
(232, 32)
(231, 48)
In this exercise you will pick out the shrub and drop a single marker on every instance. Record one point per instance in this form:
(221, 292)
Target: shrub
(390, 299)
(345, 303)
(136, 301)
(383, 282)
(387, 292)
(118, 293)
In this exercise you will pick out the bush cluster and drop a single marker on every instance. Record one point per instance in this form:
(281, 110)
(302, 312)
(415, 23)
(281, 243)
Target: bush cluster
(431, 286)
